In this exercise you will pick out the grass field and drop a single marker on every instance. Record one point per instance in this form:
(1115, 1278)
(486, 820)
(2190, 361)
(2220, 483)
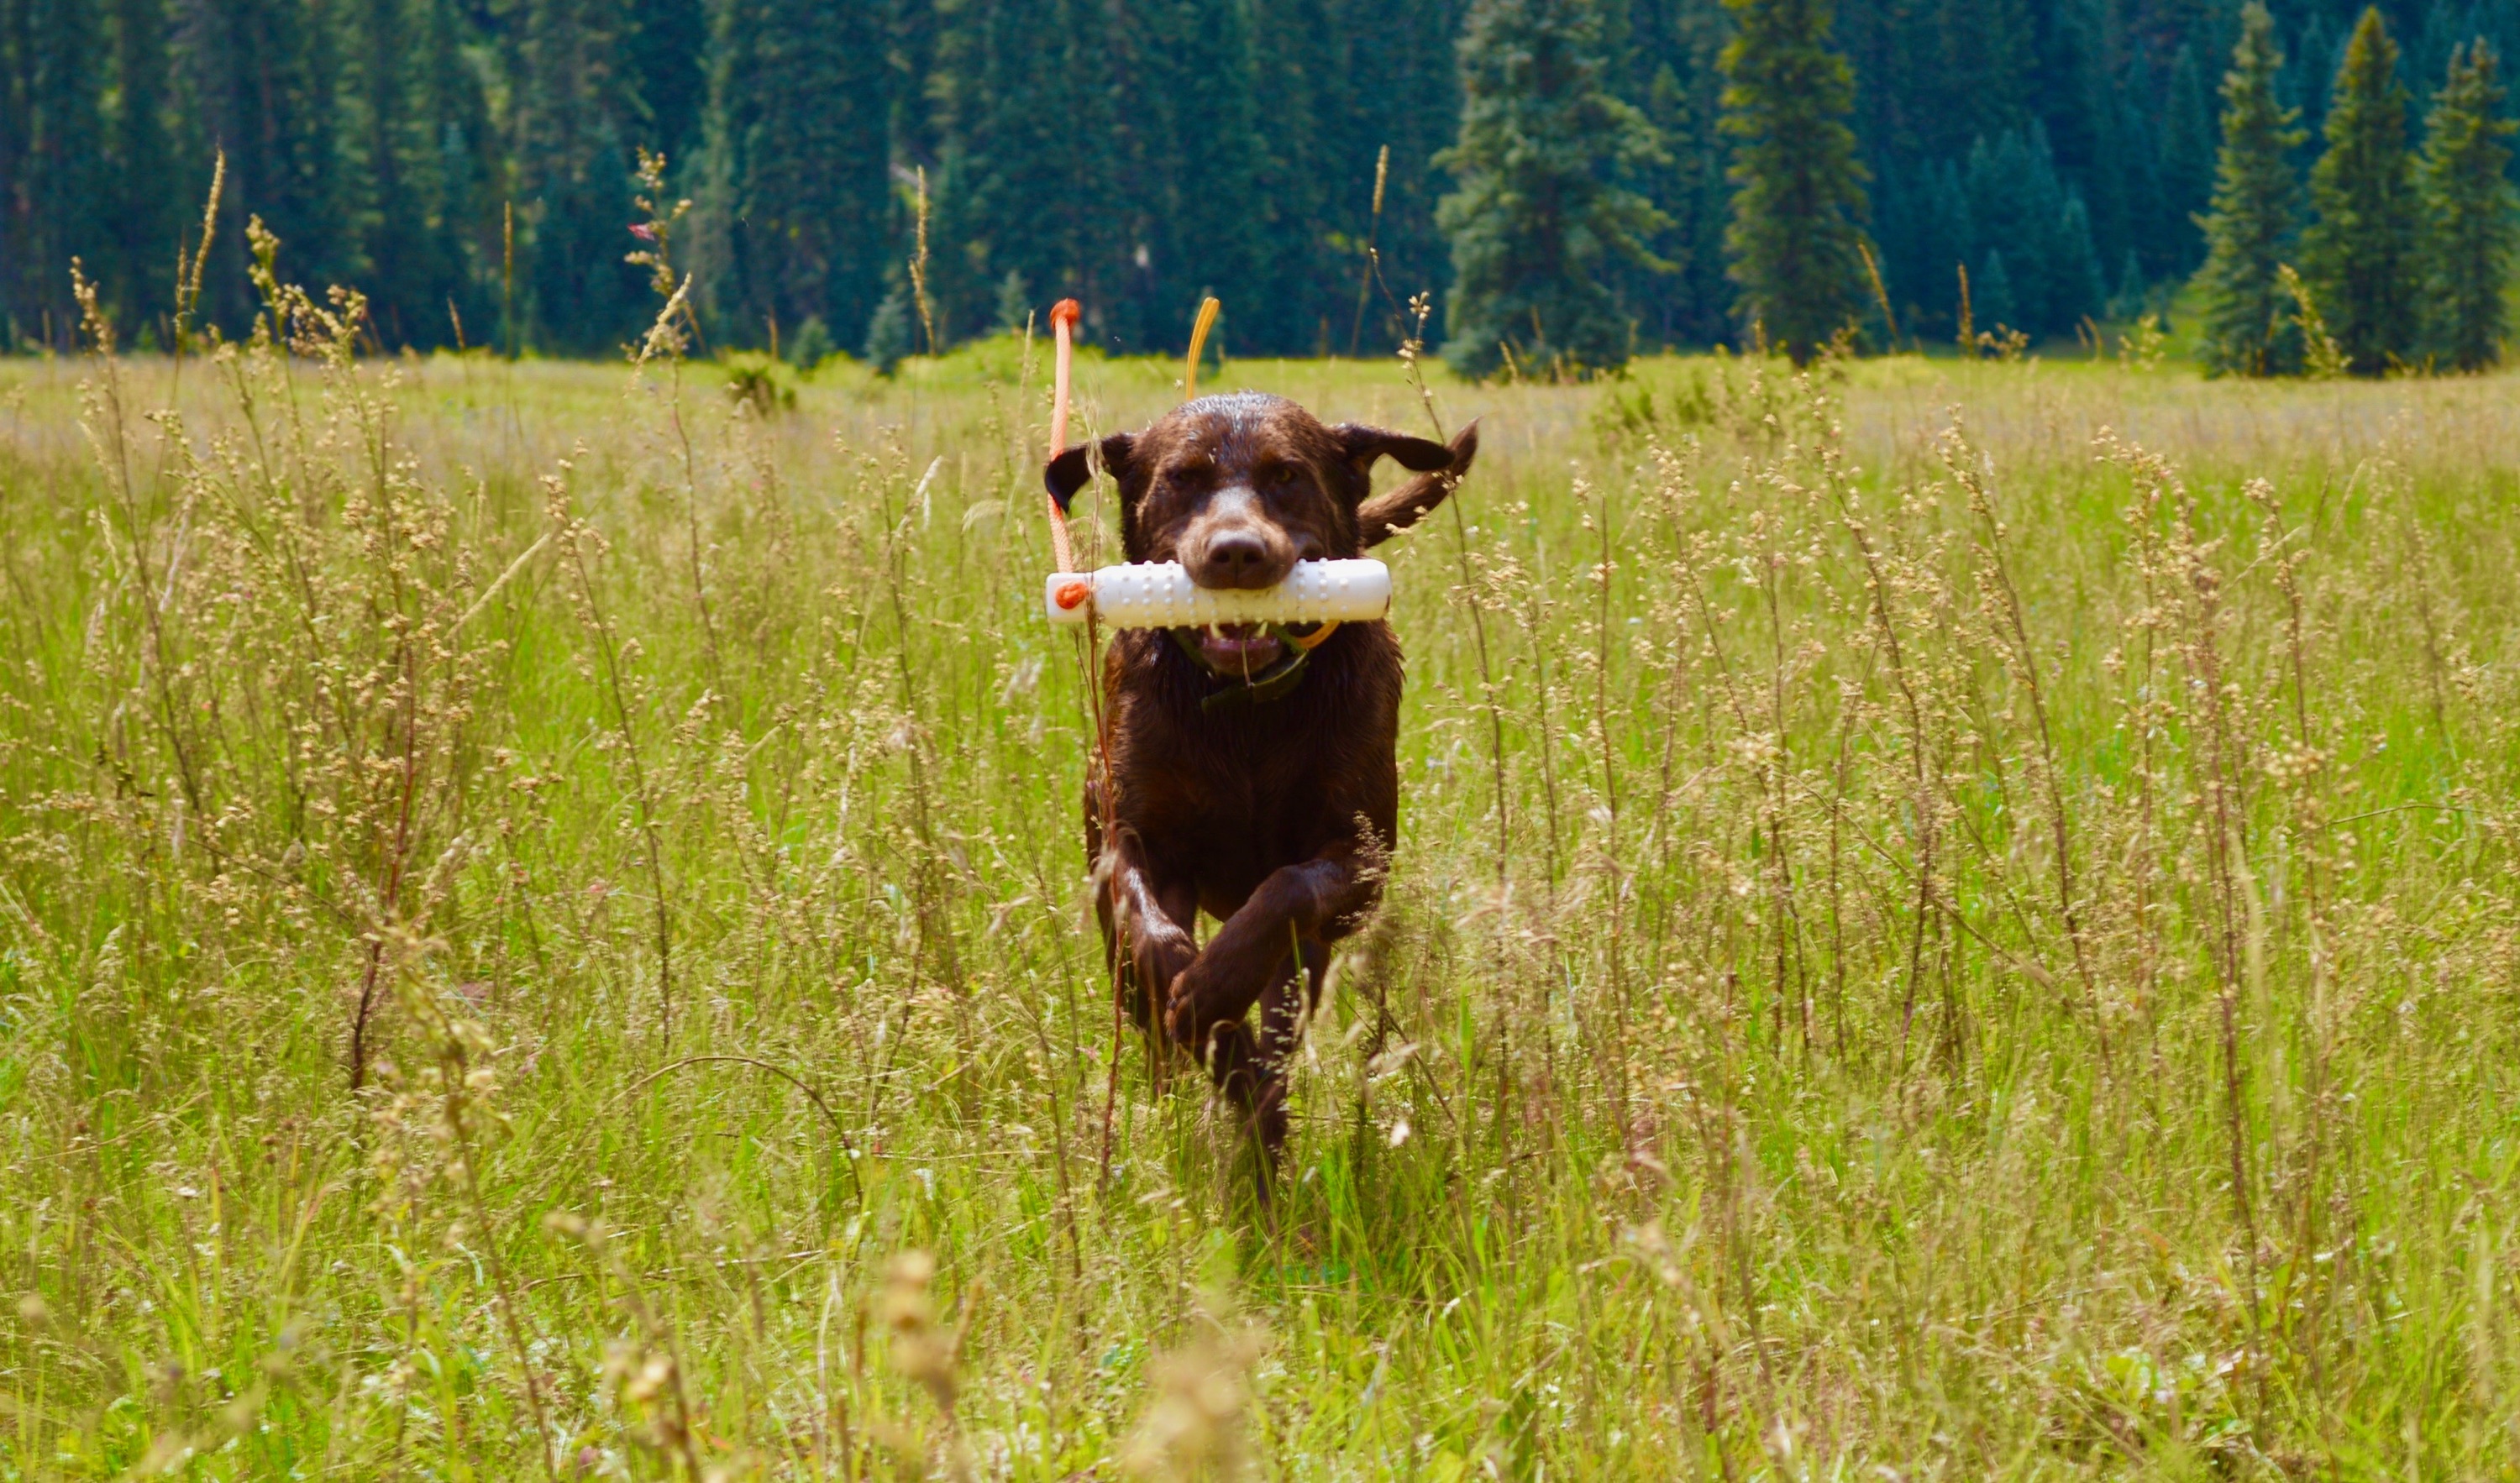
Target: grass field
(542, 934)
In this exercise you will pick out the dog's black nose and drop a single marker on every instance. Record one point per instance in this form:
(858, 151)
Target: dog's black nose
(1238, 559)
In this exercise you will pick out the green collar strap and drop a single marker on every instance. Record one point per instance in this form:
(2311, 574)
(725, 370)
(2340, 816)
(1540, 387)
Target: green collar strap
(1274, 683)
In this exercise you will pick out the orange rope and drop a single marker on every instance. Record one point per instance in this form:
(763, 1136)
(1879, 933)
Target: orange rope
(1063, 316)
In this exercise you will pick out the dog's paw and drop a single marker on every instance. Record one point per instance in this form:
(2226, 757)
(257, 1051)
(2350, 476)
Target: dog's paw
(1201, 996)
(1164, 956)
(1269, 1115)
(1181, 1011)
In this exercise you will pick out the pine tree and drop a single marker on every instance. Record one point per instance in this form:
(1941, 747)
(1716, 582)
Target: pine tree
(1950, 243)
(2016, 200)
(1299, 291)
(1673, 298)
(574, 152)
(1537, 218)
(1133, 154)
(1898, 231)
(1194, 126)
(1674, 46)
(2469, 235)
(1028, 181)
(796, 207)
(666, 50)
(1403, 87)
(2186, 170)
(411, 259)
(2251, 228)
(2075, 289)
(1798, 197)
(1992, 303)
(470, 171)
(140, 283)
(54, 207)
(2129, 298)
(265, 82)
(2111, 176)
(890, 331)
(1983, 53)
(2360, 250)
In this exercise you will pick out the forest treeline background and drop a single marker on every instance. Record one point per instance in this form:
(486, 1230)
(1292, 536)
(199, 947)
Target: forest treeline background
(470, 164)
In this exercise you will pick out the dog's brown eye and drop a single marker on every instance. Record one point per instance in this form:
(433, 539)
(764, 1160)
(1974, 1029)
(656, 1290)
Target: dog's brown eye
(1285, 474)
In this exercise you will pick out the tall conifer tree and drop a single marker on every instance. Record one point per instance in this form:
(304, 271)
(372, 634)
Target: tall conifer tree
(1131, 151)
(2468, 210)
(139, 282)
(2361, 249)
(469, 172)
(2172, 246)
(1029, 182)
(2251, 229)
(665, 53)
(1300, 289)
(411, 258)
(1194, 127)
(797, 206)
(1799, 190)
(56, 200)
(1685, 303)
(265, 81)
(1401, 85)
(576, 151)
(1538, 216)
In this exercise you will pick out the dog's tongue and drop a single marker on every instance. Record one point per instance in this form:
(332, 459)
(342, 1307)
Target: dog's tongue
(1233, 647)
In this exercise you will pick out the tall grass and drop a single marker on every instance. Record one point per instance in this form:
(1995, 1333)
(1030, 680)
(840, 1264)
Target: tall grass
(545, 934)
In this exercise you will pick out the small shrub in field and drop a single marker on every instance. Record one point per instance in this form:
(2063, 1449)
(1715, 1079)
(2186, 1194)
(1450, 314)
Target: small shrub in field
(759, 382)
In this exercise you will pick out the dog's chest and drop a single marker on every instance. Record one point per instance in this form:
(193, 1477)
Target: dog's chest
(1234, 808)
(1244, 797)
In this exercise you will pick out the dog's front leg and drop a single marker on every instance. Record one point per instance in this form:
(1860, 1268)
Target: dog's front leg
(1211, 996)
(1146, 925)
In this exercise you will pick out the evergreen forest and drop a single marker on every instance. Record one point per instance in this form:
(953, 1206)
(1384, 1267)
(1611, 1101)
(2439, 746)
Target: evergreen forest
(882, 177)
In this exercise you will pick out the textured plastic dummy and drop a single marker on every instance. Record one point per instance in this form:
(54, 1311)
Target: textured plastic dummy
(1161, 595)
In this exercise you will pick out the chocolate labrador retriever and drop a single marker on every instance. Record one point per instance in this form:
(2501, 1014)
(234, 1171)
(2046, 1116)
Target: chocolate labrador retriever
(1250, 766)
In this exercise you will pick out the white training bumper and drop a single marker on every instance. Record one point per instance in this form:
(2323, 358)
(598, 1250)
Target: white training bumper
(1161, 595)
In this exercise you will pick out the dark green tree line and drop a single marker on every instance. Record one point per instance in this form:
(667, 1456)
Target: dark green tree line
(2404, 261)
(1139, 154)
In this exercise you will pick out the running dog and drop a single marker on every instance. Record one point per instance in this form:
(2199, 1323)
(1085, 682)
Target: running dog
(1250, 767)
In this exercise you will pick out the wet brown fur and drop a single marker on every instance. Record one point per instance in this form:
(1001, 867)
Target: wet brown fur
(1274, 818)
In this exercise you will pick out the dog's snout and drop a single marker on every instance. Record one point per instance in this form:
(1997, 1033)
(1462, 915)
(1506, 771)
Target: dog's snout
(1234, 544)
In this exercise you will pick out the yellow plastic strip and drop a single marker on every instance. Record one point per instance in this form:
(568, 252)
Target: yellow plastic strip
(1206, 319)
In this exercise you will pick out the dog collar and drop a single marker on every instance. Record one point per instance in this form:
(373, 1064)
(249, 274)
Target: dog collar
(1274, 683)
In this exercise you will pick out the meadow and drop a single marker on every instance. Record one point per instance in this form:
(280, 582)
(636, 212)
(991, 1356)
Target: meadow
(1953, 921)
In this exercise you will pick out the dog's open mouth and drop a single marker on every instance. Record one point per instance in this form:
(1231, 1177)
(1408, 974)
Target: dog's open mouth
(1235, 648)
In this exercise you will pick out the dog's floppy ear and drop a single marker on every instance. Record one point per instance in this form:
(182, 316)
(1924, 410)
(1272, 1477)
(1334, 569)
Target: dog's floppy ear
(1073, 467)
(1362, 445)
(1439, 472)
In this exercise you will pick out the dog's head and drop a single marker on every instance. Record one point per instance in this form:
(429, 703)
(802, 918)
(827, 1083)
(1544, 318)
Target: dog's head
(1239, 488)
